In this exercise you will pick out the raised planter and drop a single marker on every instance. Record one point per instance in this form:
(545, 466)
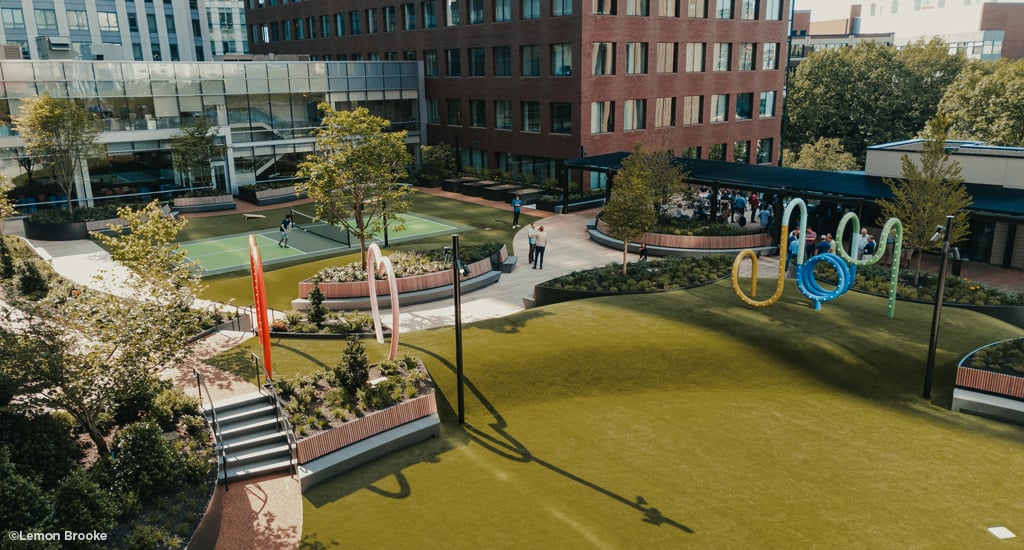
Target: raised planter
(988, 393)
(545, 295)
(729, 242)
(574, 206)
(269, 196)
(502, 192)
(428, 182)
(476, 188)
(61, 231)
(204, 204)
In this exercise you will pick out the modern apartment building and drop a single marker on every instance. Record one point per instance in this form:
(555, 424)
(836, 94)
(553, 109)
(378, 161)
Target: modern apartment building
(981, 29)
(521, 85)
(264, 113)
(140, 30)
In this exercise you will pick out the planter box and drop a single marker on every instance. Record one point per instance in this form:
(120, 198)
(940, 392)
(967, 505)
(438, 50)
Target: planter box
(428, 182)
(731, 242)
(502, 192)
(269, 196)
(45, 231)
(476, 188)
(988, 393)
(204, 204)
(556, 206)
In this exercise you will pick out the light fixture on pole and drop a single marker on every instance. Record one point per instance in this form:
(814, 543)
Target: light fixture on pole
(943, 232)
(458, 271)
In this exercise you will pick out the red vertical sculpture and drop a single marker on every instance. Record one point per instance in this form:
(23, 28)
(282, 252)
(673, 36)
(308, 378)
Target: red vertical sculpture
(259, 295)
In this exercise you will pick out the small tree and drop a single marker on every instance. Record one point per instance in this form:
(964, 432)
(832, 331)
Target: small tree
(928, 193)
(61, 134)
(194, 149)
(665, 177)
(825, 154)
(353, 174)
(317, 312)
(353, 371)
(630, 210)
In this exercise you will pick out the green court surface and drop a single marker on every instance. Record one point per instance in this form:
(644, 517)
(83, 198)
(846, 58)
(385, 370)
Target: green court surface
(231, 253)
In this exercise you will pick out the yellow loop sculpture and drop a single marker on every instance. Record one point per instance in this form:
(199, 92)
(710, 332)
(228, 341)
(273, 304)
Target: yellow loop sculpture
(893, 226)
(375, 263)
(783, 246)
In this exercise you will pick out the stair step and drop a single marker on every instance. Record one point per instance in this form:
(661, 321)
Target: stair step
(227, 405)
(242, 428)
(256, 439)
(259, 468)
(257, 454)
(251, 411)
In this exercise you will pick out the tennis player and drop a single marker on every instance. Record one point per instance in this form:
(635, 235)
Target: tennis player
(286, 227)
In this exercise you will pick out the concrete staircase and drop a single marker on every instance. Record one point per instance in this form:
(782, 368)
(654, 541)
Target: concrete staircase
(254, 442)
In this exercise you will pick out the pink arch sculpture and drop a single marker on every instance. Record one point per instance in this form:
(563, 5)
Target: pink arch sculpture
(379, 262)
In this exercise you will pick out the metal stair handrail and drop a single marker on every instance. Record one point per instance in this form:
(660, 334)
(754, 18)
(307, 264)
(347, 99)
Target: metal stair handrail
(214, 425)
(282, 419)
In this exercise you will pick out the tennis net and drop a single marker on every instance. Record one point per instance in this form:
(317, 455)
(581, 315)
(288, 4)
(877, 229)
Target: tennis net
(315, 226)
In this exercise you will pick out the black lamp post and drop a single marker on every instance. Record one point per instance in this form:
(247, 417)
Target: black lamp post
(929, 371)
(457, 271)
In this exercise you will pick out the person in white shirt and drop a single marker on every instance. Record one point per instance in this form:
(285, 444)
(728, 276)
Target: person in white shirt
(542, 244)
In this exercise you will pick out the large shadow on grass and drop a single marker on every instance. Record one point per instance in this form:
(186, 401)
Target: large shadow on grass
(497, 438)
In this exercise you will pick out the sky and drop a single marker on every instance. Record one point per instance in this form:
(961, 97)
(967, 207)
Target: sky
(822, 10)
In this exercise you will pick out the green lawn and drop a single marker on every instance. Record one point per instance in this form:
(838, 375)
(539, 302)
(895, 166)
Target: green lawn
(688, 420)
(491, 225)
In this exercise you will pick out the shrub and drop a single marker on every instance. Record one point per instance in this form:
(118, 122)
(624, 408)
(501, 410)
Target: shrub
(317, 312)
(30, 281)
(875, 279)
(1005, 356)
(143, 462)
(23, 504)
(667, 274)
(40, 446)
(353, 371)
(81, 505)
(6, 260)
(146, 537)
(169, 406)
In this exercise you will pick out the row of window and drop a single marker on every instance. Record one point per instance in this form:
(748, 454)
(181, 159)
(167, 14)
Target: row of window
(78, 20)
(602, 113)
(404, 17)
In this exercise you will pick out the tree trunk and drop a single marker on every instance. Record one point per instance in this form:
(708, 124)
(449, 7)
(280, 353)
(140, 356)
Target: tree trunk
(917, 268)
(625, 255)
(95, 434)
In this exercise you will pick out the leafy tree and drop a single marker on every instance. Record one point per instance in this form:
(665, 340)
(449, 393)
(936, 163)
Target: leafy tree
(59, 133)
(194, 149)
(353, 174)
(926, 194)
(985, 103)
(438, 161)
(825, 154)
(630, 210)
(665, 177)
(868, 94)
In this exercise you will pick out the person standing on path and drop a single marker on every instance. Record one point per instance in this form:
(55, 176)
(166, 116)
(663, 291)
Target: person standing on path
(285, 228)
(517, 205)
(542, 244)
(531, 237)
(862, 241)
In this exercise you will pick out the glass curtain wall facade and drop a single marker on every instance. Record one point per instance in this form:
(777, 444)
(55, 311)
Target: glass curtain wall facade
(264, 113)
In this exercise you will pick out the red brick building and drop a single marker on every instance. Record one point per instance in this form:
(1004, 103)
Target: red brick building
(520, 85)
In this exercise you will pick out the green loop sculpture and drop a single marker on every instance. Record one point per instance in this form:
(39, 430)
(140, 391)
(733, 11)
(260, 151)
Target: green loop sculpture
(892, 226)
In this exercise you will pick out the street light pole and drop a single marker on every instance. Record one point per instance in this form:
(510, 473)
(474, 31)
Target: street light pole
(457, 279)
(929, 371)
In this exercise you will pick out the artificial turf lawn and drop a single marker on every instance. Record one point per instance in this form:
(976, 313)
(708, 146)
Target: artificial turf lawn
(491, 225)
(687, 419)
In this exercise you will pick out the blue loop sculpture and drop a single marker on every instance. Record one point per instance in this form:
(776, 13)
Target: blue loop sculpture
(846, 274)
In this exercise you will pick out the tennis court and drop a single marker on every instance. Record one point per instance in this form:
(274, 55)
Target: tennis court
(308, 240)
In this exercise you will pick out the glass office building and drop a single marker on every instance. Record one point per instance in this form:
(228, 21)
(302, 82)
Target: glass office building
(263, 111)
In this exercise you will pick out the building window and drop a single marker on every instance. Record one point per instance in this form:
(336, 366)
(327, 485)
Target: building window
(502, 10)
(637, 7)
(602, 117)
(773, 10)
(454, 112)
(635, 115)
(604, 58)
(744, 106)
(476, 61)
(137, 52)
(531, 9)
(371, 21)
(747, 52)
(451, 12)
(433, 111)
(409, 55)
(476, 12)
(46, 20)
(769, 56)
(151, 23)
(667, 54)
(697, 8)
(741, 152)
(390, 19)
(503, 114)
(429, 17)
(503, 61)
(133, 23)
(695, 57)
(430, 63)
(531, 116)
(716, 151)
(477, 113)
(665, 112)
(668, 8)
(108, 21)
(693, 110)
(300, 29)
(604, 7)
(723, 9)
(561, 118)
(748, 9)
(339, 24)
(225, 18)
(767, 107)
(723, 56)
(764, 150)
(408, 17)
(311, 23)
(530, 56)
(453, 60)
(720, 108)
(690, 152)
(355, 22)
(636, 58)
(561, 8)
(13, 18)
(561, 59)
(77, 21)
